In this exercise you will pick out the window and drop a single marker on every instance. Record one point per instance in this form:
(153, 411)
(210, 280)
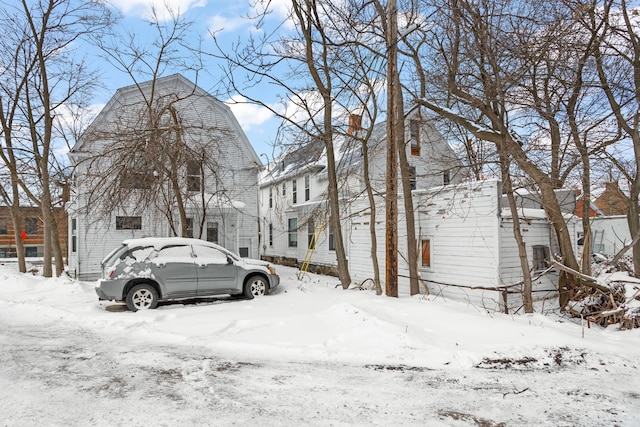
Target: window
(446, 179)
(332, 246)
(206, 255)
(413, 178)
(190, 227)
(307, 192)
(31, 225)
(293, 232)
(74, 223)
(414, 131)
(271, 235)
(243, 252)
(212, 232)
(270, 197)
(295, 191)
(8, 253)
(31, 251)
(128, 223)
(3, 226)
(426, 253)
(137, 175)
(540, 257)
(194, 173)
(284, 188)
(311, 229)
(175, 254)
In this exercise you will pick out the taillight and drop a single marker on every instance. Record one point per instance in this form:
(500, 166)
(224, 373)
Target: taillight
(108, 273)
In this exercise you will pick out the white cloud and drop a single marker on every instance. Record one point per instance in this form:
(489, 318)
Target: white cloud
(220, 23)
(280, 8)
(249, 115)
(142, 8)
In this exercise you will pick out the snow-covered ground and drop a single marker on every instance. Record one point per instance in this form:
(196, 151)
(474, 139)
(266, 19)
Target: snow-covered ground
(310, 354)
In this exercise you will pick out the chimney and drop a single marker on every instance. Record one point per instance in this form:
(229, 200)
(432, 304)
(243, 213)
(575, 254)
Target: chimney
(355, 123)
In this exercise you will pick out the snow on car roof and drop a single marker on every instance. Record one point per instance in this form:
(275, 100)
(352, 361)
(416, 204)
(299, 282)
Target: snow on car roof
(160, 242)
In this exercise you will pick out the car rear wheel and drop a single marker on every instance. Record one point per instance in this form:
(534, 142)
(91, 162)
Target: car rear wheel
(256, 286)
(142, 297)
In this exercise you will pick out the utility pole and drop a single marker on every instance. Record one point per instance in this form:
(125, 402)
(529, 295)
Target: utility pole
(393, 85)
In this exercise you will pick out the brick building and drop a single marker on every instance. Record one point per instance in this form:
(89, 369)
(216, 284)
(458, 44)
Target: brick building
(33, 232)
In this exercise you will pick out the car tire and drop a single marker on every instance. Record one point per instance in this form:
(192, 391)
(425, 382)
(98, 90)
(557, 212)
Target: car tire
(142, 297)
(255, 286)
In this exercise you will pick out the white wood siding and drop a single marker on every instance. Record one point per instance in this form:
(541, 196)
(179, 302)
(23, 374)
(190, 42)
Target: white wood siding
(205, 119)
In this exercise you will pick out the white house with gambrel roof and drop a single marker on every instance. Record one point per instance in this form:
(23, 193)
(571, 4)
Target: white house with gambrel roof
(293, 190)
(215, 174)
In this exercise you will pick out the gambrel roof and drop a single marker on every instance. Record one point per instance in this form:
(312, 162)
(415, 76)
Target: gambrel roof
(173, 84)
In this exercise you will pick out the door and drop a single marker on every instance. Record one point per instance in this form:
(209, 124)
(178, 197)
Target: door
(175, 267)
(216, 275)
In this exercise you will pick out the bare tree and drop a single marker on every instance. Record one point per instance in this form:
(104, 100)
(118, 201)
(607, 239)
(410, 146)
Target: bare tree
(41, 75)
(473, 48)
(304, 57)
(613, 25)
(158, 155)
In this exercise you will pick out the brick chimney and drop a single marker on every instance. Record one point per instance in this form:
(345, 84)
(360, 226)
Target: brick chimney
(355, 123)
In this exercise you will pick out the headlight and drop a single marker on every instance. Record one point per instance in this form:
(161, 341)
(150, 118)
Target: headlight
(272, 269)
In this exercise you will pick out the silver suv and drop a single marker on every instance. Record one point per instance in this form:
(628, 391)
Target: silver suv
(144, 271)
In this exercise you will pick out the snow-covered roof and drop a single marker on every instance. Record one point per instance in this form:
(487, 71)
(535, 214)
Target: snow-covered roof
(531, 213)
(313, 156)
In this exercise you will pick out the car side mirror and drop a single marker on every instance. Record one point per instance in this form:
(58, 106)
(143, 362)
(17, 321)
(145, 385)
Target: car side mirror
(229, 260)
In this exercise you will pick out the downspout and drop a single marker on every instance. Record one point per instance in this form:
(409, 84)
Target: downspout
(238, 231)
(498, 231)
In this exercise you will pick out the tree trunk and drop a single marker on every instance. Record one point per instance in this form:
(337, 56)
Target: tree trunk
(527, 298)
(412, 246)
(334, 204)
(47, 270)
(633, 219)
(391, 280)
(18, 226)
(372, 222)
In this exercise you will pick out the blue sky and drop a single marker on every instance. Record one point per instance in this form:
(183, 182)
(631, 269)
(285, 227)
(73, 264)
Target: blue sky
(228, 19)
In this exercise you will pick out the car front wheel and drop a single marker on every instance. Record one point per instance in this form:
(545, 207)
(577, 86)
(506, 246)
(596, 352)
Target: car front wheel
(142, 297)
(255, 287)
